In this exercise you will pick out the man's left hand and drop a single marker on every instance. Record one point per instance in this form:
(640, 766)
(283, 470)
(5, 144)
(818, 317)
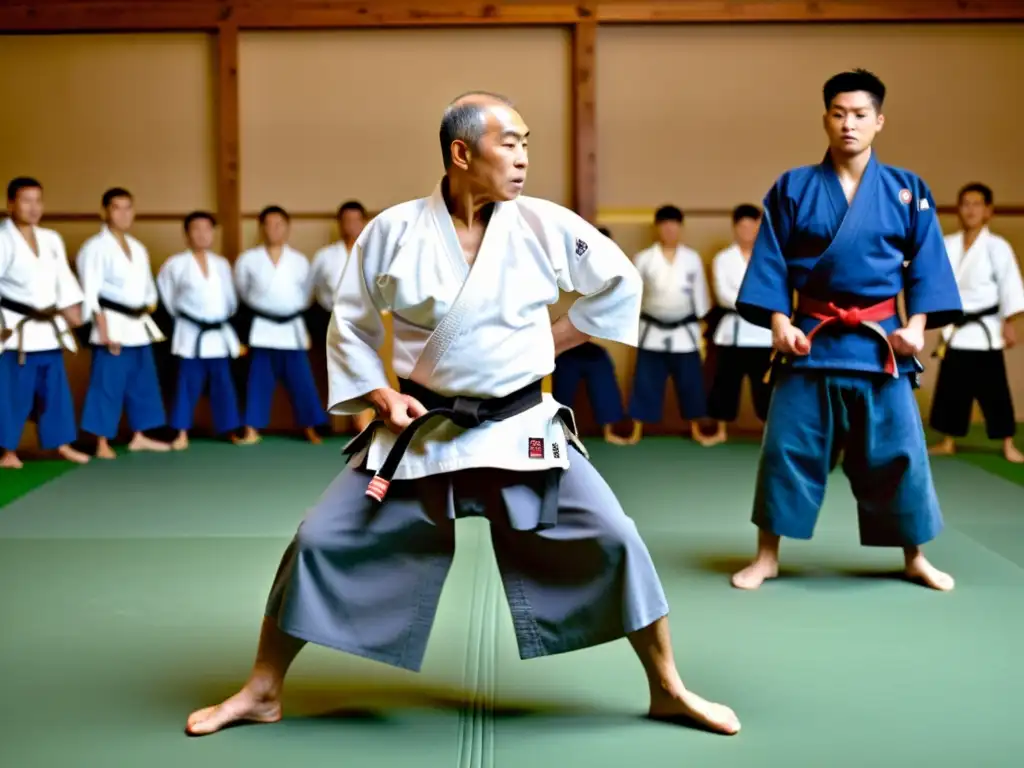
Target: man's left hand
(907, 341)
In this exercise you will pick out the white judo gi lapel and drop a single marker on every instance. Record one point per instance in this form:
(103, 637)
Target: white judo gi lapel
(474, 292)
(968, 257)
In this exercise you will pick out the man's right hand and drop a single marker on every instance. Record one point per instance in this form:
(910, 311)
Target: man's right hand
(787, 338)
(395, 409)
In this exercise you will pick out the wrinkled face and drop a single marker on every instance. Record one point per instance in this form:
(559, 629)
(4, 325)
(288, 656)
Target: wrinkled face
(745, 231)
(275, 229)
(669, 232)
(351, 224)
(121, 214)
(973, 212)
(27, 206)
(200, 235)
(851, 123)
(496, 167)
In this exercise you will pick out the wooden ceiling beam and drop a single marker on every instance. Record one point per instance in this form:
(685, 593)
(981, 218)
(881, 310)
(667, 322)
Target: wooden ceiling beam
(59, 16)
(748, 11)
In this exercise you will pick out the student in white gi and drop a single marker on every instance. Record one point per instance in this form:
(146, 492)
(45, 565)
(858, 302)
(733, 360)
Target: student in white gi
(743, 350)
(675, 300)
(274, 291)
(328, 264)
(120, 294)
(40, 302)
(197, 288)
(973, 367)
(469, 274)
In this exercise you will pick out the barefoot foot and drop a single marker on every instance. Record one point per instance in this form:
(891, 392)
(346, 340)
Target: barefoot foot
(244, 706)
(142, 443)
(180, 443)
(687, 706)
(754, 575)
(312, 436)
(921, 571)
(70, 454)
(1012, 454)
(945, 448)
(10, 460)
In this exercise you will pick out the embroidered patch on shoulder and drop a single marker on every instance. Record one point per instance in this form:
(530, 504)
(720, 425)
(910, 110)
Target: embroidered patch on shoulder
(581, 247)
(905, 196)
(536, 448)
(923, 205)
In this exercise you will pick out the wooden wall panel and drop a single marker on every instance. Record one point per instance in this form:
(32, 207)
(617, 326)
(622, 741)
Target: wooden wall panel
(328, 116)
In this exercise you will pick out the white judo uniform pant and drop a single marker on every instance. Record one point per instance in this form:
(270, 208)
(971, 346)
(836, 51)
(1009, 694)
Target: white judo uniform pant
(366, 578)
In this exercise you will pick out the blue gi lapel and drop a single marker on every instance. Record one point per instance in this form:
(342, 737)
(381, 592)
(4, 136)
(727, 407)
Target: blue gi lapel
(848, 217)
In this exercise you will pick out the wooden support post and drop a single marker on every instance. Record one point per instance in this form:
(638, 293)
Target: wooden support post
(229, 196)
(584, 112)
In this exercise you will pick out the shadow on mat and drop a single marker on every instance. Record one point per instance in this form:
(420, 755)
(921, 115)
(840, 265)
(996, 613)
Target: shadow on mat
(307, 704)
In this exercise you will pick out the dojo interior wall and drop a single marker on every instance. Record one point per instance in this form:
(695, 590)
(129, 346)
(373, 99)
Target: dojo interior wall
(702, 116)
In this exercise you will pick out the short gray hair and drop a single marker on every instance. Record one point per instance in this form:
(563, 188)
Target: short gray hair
(465, 122)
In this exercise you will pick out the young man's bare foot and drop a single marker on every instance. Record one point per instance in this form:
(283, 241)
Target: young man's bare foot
(918, 569)
(142, 443)
(755, 574)
(70, 454)
(10, 460)
(611, 438)
(180, 443)
(765, 565)
(312, 436)
(1011, 453)
(248, 705)
(944, 448)
(684, 705)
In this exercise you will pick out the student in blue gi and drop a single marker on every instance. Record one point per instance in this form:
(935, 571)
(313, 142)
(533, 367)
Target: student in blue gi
(120, 294)
(848, 235)
(591, 363)
(675, 300)
(198, 290)
(40, 305)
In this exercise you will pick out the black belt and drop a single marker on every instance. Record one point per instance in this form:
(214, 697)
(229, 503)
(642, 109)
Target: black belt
(280, 319)
(204, 327)
(966, 319)
(123, 309)
(669, 325)
(30, 314)
(465, 412)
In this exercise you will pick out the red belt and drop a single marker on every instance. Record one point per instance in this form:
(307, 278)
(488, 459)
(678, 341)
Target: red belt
(870, 317)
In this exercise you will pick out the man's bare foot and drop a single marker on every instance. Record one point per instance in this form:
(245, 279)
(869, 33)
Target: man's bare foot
(685, 705)
(247, 705)
(70, 454)
(920, 570)
(250, 437)
(180, 443)
(1011, 453)
(10, 460)
(104, 451)
(945, 448)
(312, 436)
(611, 438)
(754, 575)
(142, 443)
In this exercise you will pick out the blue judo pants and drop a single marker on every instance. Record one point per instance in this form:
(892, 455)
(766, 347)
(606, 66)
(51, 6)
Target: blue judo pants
(39, 386)
(592, 364)
(291, 366)
(873, 420)
(212, 375)
(125, 383)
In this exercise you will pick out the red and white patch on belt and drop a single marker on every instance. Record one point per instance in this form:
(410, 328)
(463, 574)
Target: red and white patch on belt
(536, 448)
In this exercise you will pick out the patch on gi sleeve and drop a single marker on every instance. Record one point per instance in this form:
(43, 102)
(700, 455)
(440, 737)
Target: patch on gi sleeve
(923, 205)
(906, 196)
(581, 247)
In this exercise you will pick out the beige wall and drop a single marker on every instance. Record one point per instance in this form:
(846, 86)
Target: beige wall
(702, 116)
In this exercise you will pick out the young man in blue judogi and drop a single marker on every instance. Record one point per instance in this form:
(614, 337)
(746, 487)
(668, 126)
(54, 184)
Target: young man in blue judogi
(847, 236)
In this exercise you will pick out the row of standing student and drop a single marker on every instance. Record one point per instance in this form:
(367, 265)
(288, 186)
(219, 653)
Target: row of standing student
(676, 301)
(234, 332)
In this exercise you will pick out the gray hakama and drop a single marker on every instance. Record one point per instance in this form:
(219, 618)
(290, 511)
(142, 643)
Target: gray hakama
(366, 577)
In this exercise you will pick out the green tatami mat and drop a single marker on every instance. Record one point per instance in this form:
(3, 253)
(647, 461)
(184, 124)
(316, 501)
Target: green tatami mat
(134, 589)
(15, 483)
